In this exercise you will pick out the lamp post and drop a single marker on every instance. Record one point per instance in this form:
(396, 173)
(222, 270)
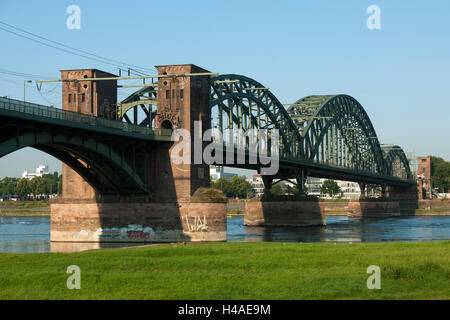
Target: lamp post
(24, 83)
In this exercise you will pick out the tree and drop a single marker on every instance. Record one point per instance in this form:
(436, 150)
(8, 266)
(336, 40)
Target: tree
(23, 188)
(441, 177)
(7, 187)
(60, 185)
(236, 187)
(239, 186)
(276, 190)
(435, 162)
(330, 187)
(222, 184)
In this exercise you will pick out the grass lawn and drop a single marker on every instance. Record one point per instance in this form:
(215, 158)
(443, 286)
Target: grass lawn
(24, 204)
(234, 271)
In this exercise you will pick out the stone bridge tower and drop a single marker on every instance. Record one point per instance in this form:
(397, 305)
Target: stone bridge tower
(85, 97)
(181, 101)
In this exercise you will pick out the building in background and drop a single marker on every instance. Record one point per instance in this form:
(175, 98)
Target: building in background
(423, 175)
(349, 190)
(40, 171)
(313, 186)
(257, 185)
(217, 172)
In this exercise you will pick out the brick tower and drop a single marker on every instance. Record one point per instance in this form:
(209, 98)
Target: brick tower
(86, 97)
(181, 101)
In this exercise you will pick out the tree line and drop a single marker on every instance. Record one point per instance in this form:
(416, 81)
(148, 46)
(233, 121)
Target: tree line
(236, 187)
(36, 188)
(440, 174)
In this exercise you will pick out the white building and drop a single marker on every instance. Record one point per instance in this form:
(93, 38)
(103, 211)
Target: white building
(349, 190)
(217, 172)
(257, 184)
(313, 185)
(40, 171)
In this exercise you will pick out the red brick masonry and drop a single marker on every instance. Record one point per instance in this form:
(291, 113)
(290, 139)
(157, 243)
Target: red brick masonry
(373, 209)
(284, 213)
(138, 222)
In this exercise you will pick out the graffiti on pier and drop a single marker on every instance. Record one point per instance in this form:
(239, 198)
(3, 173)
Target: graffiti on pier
(136, 232)
(199, 225)
(131, 232)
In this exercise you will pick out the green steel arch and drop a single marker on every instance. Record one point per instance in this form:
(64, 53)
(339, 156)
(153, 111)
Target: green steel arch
(396, 162)
(337, 130)
(243, 103)
(328, 130)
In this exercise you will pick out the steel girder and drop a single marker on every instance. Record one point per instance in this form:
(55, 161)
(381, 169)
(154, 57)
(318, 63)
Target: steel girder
(142, 103)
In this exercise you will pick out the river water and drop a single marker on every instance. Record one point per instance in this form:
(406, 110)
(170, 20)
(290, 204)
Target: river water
(32, 234)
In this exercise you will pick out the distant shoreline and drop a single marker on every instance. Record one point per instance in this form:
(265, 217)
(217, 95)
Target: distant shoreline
(25, 213)
(25, 209)
(42, 209)
(46, 213)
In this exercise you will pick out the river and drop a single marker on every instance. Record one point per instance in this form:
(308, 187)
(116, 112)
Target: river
(32, 234)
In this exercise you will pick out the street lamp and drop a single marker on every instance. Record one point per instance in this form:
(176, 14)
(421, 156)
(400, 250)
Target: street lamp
(24, 83)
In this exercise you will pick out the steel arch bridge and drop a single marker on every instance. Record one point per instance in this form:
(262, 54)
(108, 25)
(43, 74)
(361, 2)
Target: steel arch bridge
(328, 136)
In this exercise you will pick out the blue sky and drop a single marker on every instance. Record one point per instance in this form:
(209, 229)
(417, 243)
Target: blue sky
(400, 74)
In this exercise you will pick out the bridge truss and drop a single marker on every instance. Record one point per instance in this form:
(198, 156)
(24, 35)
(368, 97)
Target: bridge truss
(323, 135)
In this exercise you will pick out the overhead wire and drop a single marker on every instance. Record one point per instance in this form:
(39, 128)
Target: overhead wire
(84, 54)
(122, 66)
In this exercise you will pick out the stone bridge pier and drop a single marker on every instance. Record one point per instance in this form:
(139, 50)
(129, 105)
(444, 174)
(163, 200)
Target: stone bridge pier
(391, 201)
(293, 210)
(178, 206)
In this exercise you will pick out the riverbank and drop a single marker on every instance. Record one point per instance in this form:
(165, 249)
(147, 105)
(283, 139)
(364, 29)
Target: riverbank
(25, 209)
(234, 271)
(339, 207)
(236, 208)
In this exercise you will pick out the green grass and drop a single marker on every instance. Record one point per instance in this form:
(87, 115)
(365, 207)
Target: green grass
(25, 204)
(234, 271)
(444, 212)
(25, 213)
(235, 212)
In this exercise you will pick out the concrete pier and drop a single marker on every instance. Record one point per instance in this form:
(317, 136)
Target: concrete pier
(284, 213)
(138, 222)
(373, 208)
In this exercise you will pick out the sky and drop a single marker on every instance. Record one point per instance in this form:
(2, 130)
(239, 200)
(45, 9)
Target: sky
(399, 73)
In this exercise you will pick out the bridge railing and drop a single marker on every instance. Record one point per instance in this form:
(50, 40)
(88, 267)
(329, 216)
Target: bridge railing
(55, 113)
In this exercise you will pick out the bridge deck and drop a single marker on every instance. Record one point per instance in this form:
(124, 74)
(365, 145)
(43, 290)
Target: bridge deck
(14, 109)
(11, 108)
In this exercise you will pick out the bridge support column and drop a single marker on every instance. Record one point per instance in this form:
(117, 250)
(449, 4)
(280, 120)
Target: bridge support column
(267, 180)
(301, 177)
(140, 222)
(406, 196)
(373, 208)
(362, 186)
(383, 190)
(284, 211)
